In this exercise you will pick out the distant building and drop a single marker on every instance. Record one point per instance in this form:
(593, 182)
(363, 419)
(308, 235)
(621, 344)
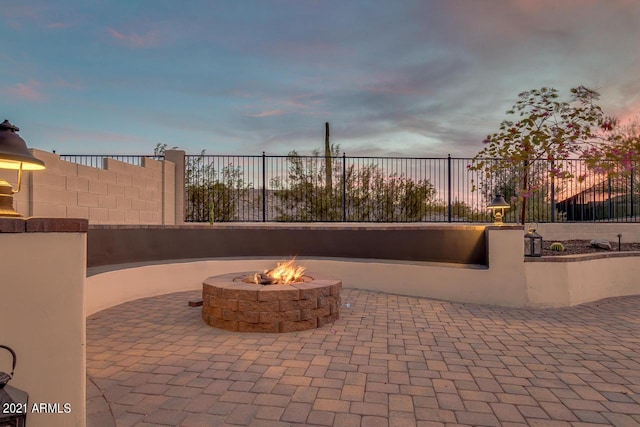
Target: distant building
(615, 197)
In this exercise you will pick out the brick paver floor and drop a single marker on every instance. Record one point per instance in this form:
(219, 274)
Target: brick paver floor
(389, 361)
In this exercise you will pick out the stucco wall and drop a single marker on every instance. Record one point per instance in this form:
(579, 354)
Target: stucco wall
(508, 280)
(502, 283)
(42, 318)
(455, 243)
(119, 193)
(572, 280)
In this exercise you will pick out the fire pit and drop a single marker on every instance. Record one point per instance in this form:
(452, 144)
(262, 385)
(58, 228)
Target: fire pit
(237, 302)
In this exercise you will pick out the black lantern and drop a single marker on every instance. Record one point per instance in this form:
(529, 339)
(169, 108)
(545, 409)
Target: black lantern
(532, 242)
(13, 155)
(13, 401)
(498, 205)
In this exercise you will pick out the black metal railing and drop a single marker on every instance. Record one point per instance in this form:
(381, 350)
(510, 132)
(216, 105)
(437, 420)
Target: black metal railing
(399, 189)
(97, 160)
(224, 188)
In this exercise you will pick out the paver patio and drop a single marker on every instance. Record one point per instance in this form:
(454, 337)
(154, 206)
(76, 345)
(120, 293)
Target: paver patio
(389, 360)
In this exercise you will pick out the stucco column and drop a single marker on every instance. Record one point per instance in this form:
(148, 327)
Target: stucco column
(42, 315)
(506, 263)
(177, 158)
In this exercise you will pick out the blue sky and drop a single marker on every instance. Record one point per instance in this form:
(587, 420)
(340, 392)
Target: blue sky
(416, 78)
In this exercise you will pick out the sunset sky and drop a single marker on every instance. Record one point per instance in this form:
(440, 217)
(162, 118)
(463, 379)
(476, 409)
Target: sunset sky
(416, 78)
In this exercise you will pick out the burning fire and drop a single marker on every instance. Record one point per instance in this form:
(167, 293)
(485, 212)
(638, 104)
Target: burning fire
(284, 274)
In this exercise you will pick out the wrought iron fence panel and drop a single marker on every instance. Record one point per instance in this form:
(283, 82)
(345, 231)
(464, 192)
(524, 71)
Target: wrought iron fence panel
(592, 196)
(222, 188)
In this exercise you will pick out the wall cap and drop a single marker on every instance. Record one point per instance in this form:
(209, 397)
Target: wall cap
(504, 227)
(12, 225)
(43, 225)
(583, 257)
(305, 226)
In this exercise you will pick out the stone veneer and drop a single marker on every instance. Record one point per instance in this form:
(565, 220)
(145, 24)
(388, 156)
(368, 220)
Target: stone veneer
(231, 304)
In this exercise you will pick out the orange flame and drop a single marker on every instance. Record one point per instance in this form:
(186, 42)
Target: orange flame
(285, 273)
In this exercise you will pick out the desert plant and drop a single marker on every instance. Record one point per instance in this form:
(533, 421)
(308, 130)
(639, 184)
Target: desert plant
(214, 195)
(557, 246)
(371, 193)
(305, 195)
(161, 148)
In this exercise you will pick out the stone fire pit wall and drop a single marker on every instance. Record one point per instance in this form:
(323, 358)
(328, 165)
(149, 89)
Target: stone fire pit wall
(231, 304)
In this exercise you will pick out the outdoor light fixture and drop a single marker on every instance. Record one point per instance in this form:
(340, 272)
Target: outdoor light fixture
(532, 242)
(14, 155)
(498, 205)
(13, 401)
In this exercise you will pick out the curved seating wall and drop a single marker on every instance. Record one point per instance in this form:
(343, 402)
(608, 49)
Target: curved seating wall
(503, 279)
(127, 262)
(460, 244)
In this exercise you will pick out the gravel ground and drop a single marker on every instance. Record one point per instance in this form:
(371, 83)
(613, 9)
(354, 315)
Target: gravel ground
(573, 247)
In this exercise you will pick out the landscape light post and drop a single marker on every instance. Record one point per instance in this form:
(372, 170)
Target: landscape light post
(498, 205)
(14, 155)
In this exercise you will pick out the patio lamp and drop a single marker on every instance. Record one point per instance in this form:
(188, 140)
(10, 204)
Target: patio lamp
(14, 155)
(13, 400)
(498, 205)
(532, 242)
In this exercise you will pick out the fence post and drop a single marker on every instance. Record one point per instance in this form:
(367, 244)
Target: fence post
(344, 187)
(631, 191)
(553, 201)
(595, 197)
(449, 187)
(553, 195)
(264, 187)
(609, 214)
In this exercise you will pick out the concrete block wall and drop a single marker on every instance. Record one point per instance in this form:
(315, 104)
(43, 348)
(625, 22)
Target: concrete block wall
(119, 193)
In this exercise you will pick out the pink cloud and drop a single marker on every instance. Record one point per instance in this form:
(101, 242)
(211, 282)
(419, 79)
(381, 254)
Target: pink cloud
(117, 35)
(394, 84)
(29, 91)
(630, 116)
(268, 113)
(150, 39)
(304, 100)
(307, 104)
(48, 16)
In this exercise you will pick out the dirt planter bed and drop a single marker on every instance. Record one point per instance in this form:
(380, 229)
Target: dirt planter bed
(231, 304)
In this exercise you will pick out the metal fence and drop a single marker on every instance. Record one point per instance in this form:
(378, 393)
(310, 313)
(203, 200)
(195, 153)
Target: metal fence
(97, 160)
(222, 188)
(399, 189)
